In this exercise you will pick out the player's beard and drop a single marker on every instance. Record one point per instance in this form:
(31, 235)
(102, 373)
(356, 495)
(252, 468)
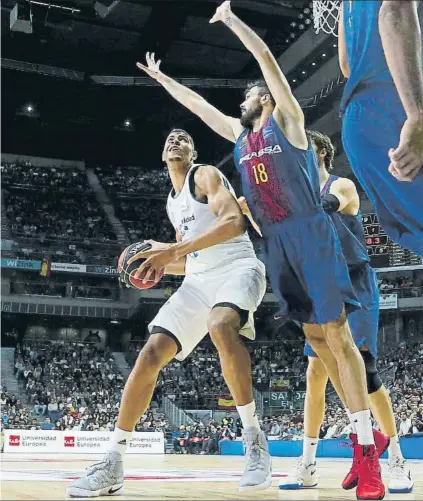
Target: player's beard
(247, 118)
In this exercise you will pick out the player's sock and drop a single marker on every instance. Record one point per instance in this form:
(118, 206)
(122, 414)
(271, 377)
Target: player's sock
(309, 450)
(351, 421)
(394, 449)
(120, 440)
(248, 415)
(363, 425)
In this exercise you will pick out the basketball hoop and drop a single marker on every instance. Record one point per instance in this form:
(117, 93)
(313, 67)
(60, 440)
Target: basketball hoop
(326, 16)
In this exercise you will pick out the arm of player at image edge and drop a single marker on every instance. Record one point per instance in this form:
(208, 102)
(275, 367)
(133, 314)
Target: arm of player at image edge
(229, 222)
(342, 47)
(286, 103)
(227, 127)
(400, 32)
(246, 211)
(342, 197)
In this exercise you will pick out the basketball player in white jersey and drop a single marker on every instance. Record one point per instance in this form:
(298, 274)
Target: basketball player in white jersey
(223, 286)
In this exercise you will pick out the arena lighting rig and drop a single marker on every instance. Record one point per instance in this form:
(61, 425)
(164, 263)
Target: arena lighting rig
(21, 15)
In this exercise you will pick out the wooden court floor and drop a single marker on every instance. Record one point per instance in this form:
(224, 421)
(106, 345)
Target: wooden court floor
(45, 476)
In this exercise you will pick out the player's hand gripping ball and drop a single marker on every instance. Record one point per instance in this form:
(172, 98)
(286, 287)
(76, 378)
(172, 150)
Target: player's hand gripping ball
(127, 271)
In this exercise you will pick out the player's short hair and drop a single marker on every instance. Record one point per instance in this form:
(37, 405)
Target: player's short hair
(263, 88)
(191, 140)
(323, 142)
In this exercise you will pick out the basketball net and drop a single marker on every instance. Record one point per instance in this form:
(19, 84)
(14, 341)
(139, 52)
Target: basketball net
(326, 16)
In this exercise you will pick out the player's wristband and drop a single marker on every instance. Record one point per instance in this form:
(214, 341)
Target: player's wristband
(330, 203)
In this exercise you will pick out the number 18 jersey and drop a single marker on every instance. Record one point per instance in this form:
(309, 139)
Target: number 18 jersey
(279, 181)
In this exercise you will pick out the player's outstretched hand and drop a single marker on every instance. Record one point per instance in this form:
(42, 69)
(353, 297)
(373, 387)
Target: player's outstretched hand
(156, 263)
(153, 67)
(407, 158)
(222, 12)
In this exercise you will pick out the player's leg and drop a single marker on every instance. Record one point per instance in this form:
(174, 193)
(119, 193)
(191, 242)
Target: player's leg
(353, 380)
(178, 327)
(400, 480)
(304, 474)
(240, 293)
(106, 478)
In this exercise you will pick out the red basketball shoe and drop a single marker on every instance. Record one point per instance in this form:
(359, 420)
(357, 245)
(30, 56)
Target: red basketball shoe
(370, 485)
(381, 443)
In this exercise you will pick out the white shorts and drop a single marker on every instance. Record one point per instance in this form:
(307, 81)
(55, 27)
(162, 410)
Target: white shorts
(185, 314)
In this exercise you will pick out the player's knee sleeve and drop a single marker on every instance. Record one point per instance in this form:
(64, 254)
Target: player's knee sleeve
(373, 379)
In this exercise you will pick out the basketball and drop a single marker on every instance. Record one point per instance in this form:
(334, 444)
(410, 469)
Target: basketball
(127, 271)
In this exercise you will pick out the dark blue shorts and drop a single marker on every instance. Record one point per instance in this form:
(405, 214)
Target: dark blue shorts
(371, 126)
(363, 323)
(307, 270)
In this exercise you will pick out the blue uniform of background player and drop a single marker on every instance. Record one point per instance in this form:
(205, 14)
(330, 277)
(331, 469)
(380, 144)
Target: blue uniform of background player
(363, 323)
(341, 201)
(382, 109)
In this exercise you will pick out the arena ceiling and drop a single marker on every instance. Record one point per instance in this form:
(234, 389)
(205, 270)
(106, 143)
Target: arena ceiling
(78, 118)
(177, 30)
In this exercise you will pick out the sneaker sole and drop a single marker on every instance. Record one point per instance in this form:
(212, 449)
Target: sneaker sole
(296, 487)
(260, 487)
(77, 492)
(367, 499)
(407, 490)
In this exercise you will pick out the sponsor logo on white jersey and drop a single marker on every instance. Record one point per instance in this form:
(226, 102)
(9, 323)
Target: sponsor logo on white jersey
(269, 150)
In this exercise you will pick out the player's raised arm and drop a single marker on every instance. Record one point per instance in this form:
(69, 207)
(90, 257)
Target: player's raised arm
(401, 40)
(278, 85)
(227, 127)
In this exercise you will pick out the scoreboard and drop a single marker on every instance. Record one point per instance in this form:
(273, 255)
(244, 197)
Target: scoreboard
(377, 241)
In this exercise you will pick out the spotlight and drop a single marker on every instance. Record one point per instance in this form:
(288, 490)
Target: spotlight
(127, 123)
(104, 7)
(29, 108)
(335, 45)
(313, 64)
(294, 80)
(323, 55)
(303, 72)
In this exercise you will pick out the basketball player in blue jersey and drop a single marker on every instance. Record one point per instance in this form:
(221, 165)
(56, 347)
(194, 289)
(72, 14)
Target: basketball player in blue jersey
(380, 52)
(340, 200)
(308, 272)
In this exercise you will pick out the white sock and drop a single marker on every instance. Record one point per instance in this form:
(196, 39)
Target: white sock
(309, 450)
(394, 449)
(248, 415)
(351, 421)
(120, 440)
(363, 425)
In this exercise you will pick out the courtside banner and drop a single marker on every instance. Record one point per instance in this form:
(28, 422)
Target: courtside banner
(20, 264)
(69, 267)
(388, 301)
(76, 442)
(31, 441)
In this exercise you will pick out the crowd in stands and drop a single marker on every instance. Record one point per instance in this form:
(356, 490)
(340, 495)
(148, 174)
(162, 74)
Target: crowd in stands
(404, 286)
(51, 215)
(134, 181)
(25, 174)
(78, 386)
(64, 285)
(69, 386)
